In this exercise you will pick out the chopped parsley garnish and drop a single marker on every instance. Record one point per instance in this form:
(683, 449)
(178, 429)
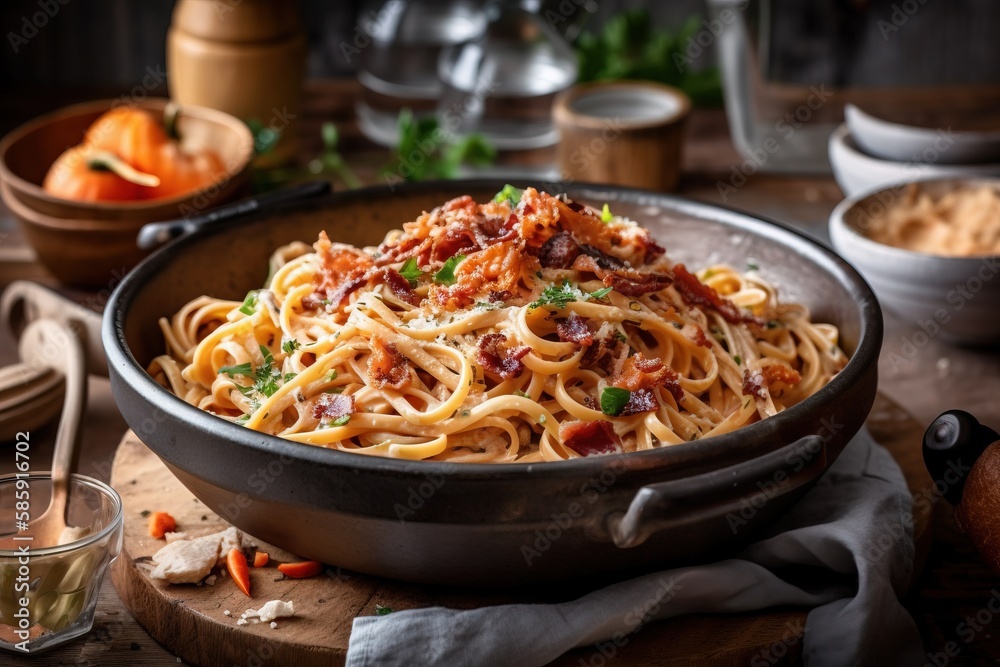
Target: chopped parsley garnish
(411, 271)
(738, 360)
(249, 306)
(510, 194)
(752, 265)
(620, 336)
(557, 295)
(290, 376)
(446, 276)
(382, 611)
(243, 419)
(606, 216)
(773, 324)
(541, 419)
(340, 421)
(290, 345)
(601, 293)
(518, 392)
(613, 400)
(332, 376)
(677, 325)
(488, 305)
(265, 378)
(334, 390)
(242, 369)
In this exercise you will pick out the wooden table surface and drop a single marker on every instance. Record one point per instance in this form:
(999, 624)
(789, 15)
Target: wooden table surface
(924, 377)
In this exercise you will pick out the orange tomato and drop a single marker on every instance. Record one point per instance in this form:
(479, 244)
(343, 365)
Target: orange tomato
(78, 175)
(182, 171)
(134, 135)
(149, 144)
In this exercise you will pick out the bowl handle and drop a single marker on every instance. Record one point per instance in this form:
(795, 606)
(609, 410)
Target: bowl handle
(24, 302)
(952, 443)
(728, 491)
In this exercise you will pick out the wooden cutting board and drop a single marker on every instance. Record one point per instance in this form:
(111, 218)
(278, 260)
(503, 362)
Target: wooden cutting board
(190, 620)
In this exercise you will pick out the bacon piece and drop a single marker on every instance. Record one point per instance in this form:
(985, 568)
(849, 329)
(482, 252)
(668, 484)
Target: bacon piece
(336, 296)
(498, 268)
(390, 253)
(776, 373)
(465, 202)
(341, 266)
(333, 406)
(499, 360)
(498, 296)
(700, 338)
(629, 282)
(608, 351)
(640, 400)
(589, 438)
(496, 229)
(639, 373)
(636, 283)
(456, 240)
(559, 251)
(753, 385)
(399, 286)
(386, 366)
(603, 260)
(574, 329)
(695, 292)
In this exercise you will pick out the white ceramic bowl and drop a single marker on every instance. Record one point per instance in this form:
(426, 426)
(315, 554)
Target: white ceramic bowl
(956, 298)
(858, 172)
(907, 143)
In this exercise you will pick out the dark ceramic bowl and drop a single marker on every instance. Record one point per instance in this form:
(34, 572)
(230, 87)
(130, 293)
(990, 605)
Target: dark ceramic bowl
(484, 524)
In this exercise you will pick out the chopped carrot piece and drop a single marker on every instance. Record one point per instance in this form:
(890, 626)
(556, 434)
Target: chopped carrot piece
(161, 523)
(236, 563)
(260, 559)
(309, 568)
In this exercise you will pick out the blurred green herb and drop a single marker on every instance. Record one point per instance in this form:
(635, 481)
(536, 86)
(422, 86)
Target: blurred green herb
(630, 47)
(330, 160)
(425, 151)
(264, 138)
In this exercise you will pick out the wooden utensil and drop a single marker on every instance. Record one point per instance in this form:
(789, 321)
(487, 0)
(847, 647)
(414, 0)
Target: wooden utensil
(46, 342)
(24, 302)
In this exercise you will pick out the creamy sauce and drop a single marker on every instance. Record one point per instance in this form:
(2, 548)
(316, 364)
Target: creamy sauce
(962, 223)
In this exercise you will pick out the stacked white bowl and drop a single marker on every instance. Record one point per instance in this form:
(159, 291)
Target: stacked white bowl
(875, 162)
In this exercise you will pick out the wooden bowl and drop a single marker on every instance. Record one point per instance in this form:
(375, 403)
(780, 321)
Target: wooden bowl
(84, 253)
(27, 153)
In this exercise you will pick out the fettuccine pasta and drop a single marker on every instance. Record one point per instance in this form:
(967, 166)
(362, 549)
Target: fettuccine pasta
(528, 328)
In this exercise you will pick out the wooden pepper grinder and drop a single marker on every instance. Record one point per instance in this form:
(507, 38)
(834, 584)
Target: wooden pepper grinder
(963, 458)
(244, 57)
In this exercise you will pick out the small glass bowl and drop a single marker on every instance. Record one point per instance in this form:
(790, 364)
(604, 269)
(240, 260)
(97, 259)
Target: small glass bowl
(48, 595)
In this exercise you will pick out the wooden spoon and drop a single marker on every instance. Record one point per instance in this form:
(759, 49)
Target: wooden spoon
(24, 301)
(46, 342)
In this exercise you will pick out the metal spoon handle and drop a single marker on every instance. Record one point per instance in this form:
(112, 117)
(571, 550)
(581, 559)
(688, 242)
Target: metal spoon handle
(158, 233)
(47, 343)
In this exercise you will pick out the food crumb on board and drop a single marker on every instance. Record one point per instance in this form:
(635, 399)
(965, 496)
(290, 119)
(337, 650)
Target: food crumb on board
(274, 625)
(210, 579)
(227, 613)
(242, 621)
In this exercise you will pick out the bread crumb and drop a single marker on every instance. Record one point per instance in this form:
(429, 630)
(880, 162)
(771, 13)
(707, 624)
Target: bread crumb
(227, 612)
(210, 580)
(274, 625)
(242, 621)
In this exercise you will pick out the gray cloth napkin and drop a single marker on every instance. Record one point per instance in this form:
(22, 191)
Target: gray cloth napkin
(846, 550)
